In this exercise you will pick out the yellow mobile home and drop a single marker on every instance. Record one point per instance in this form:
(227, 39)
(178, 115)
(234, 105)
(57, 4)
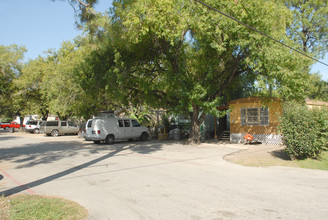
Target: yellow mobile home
(257, 117)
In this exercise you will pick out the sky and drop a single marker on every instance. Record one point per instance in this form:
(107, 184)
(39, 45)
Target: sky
(40, 25)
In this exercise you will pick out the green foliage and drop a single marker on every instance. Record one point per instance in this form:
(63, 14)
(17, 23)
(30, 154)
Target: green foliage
(5, 119)
(10, 68)
(309, 27)
(32, 90)
(170, 54)
(304, 131)
(320, 90)
(142, 115)
(76, 80)
(180, 56)
(84, 11)
(65, 82)
(166, 122)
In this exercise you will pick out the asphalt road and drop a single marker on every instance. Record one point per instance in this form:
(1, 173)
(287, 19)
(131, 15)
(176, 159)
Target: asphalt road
(158, 180)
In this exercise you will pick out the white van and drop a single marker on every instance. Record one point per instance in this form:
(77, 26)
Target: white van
(111, 129)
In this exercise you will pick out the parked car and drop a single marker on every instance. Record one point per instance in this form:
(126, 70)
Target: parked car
(56, 128)
(3, 125)
(33, 126)
(111, 129)
(13, 124)
(82, 129)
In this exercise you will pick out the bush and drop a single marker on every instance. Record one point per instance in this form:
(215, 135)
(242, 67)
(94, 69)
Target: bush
(304, 131)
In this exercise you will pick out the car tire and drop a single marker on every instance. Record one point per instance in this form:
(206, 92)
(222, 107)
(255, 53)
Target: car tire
(5, 128)
(36, 131)
(96, 142)
(109, 139)
(55, 133)
(144, 136)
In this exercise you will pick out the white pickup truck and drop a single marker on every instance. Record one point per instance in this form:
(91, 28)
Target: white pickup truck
(111, 129)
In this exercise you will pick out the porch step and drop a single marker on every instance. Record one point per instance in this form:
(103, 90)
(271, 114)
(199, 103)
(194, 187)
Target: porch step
(225, 136)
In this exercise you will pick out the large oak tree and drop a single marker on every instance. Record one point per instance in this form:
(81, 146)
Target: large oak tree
(181, 56)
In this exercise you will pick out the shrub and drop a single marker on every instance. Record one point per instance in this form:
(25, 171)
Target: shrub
(304, 131)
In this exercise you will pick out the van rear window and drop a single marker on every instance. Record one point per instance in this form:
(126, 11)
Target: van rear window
(89, 123)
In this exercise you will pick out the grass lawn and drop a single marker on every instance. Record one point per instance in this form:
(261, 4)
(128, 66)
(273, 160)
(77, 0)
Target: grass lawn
(261, 155)
(39, 207)
(321, 163)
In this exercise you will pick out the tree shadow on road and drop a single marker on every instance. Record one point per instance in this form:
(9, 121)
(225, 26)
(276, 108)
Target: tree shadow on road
(39, 153)
(6, 138)
(30, 185)
(30, 155)
(46, 153)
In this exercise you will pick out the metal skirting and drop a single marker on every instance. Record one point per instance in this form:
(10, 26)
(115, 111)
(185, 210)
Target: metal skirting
(269, 139)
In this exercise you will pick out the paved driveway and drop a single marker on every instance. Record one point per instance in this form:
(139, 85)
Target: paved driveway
(158, 180)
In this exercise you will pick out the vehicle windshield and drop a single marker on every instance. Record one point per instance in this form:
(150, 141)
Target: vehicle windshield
(32, 122)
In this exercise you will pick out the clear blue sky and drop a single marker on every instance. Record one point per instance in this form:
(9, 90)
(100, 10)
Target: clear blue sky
(40, 25)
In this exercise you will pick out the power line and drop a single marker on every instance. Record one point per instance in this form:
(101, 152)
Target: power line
(232, 18)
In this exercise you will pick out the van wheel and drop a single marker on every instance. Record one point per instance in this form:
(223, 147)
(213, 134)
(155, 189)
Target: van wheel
(109, 139)
(144, 137)
(54, 133)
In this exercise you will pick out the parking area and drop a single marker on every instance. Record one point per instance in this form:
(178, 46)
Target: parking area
(158, 180)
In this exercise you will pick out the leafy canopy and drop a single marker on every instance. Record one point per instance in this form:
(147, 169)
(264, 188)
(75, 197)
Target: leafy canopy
(10, 69)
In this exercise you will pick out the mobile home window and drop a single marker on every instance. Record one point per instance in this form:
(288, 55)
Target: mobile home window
(243, 116)
(120, 123)
(254, 116)
(264, 116)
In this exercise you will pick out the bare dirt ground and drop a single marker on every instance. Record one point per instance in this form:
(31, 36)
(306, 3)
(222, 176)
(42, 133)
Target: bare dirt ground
(261, 155)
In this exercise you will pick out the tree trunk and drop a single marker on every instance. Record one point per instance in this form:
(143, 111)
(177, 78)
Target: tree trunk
(44, 115)
(21, 121)
(195, 126)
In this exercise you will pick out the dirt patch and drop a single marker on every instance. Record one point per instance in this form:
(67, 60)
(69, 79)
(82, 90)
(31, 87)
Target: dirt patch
(261, 155)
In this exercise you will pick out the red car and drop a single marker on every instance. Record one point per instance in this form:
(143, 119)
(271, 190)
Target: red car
(11, 125)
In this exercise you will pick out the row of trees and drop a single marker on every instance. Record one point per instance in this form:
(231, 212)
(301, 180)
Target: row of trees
(171, 54)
